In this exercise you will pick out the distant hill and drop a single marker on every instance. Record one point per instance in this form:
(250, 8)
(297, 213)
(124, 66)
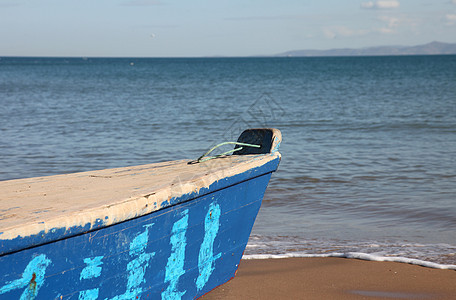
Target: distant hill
(434, 48)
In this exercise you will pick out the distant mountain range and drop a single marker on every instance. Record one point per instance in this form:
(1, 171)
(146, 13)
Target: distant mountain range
(434, 48)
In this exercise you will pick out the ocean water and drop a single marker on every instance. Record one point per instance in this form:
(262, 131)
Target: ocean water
(369, 143)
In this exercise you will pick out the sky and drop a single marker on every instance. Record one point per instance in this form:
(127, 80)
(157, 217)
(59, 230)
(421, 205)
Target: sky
(172, 28)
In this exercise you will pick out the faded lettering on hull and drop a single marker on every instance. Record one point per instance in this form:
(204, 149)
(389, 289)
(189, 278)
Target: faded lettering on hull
(32, 278)
(206, 255)
(136, 268)
(175, 266)
(33, 275)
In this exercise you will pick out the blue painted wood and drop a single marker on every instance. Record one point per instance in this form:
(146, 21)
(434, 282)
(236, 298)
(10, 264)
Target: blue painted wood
(181, 251)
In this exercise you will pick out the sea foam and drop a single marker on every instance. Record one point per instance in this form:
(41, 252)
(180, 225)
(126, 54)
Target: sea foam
(355, 255)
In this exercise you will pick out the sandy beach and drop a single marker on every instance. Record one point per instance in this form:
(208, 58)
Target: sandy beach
(335, 278)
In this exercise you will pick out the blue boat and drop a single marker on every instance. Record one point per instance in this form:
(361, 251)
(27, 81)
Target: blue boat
(171, 230)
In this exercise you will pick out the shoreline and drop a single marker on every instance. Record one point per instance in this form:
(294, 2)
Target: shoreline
(335, 278)
(357, 255)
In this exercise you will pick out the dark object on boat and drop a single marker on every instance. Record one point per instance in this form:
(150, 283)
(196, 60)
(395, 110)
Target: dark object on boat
(267, 138)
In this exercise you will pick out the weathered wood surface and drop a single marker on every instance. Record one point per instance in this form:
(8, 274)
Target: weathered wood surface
(36, 205)
(179, 252)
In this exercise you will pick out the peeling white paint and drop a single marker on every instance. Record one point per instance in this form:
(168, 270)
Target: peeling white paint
(38, 205)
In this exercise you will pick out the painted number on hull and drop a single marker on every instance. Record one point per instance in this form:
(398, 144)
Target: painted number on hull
(34, 274)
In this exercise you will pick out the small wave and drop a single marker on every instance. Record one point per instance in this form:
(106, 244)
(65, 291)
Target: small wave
(440, 256)
(355, 255)
(307, 179)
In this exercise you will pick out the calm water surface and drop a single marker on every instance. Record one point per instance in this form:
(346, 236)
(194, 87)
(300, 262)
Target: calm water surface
(369, 143)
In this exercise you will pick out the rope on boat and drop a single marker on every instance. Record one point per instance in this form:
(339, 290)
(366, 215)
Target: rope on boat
(205, 156)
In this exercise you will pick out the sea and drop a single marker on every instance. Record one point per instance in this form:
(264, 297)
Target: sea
(368, 164)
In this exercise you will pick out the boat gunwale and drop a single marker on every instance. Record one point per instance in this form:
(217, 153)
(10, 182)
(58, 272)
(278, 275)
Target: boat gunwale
(257, 165)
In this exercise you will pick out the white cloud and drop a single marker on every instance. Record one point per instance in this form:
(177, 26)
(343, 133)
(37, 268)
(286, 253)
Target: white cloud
(330, 34)
(265, 18)
(385, 30)
(342, 31)
(141, 2)
(451, 19)
(369, 4)
(391, 24)
(454, 1)
(381, 4)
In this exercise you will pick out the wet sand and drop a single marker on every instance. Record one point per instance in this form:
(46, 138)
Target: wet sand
(335, 278)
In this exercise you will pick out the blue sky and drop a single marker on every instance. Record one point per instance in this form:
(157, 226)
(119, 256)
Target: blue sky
(160, 28)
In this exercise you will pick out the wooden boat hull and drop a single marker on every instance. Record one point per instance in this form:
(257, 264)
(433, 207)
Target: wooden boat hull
(182, 251)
